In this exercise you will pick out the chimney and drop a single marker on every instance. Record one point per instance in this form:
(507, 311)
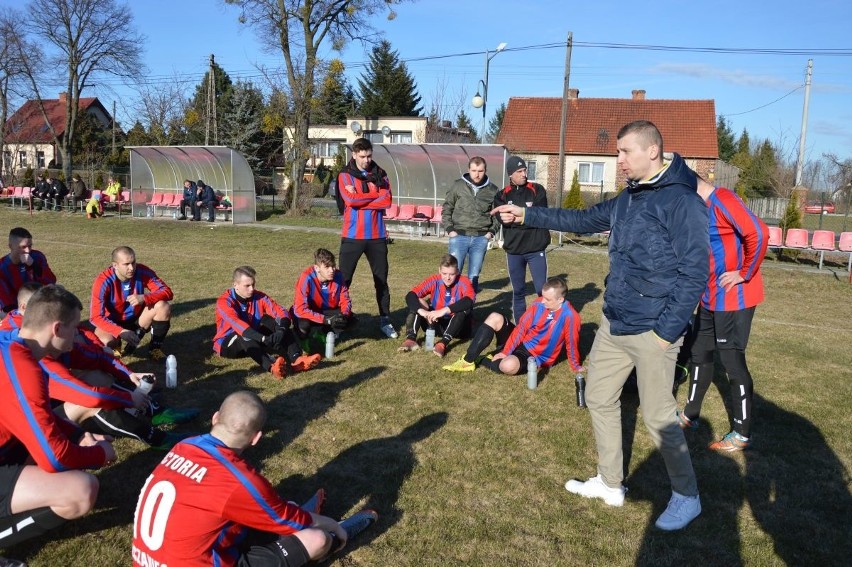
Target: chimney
(63, 97)
(573, 94)
(638, 94)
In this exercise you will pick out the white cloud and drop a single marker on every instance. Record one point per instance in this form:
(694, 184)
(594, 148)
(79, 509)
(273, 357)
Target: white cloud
(733, 76)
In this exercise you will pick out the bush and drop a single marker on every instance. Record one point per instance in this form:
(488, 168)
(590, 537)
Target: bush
(574, 200)
(29, 177)
(792, 214)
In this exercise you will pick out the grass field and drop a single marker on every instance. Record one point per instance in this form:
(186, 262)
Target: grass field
(469, 469)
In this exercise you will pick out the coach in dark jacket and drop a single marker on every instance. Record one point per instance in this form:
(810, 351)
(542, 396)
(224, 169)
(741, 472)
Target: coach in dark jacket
(204, 198)
(524, 245)
(659, 265)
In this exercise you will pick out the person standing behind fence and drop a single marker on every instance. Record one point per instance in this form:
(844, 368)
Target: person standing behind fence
(366, 193)
(524, 245)
(468, 220)
(738, 241)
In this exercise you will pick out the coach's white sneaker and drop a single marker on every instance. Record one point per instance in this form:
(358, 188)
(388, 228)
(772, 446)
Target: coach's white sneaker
(595, 488)
(680, 511)
(387, 328)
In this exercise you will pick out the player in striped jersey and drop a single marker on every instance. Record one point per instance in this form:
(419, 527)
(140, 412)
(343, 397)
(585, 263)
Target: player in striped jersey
(448, 309)
(738, 241)
(366, 193)
(321, 300)
(21, 265)
(548, 325)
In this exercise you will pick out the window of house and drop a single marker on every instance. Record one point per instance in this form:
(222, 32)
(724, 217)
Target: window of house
(22, 159)
(40, 159)
(326, 148)
(375, 137)
(590, 171)
(400, 137)
(531, 167)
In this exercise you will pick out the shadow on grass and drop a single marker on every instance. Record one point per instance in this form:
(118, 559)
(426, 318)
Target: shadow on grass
(372, 470)
(290, 413)
(183, 307)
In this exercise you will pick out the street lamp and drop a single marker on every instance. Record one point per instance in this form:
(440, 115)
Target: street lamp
(480, 101)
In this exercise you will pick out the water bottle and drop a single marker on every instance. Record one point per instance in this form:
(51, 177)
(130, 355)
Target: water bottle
(581, 390)
(329, 344)
(171, 371)
(146, 384)
(532, 373)
(430, 339)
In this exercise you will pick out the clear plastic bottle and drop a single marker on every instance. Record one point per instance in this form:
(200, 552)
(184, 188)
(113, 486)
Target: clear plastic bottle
(429, 344)
(171, 371)
(329, 344)
(146, 384)
(532, 373)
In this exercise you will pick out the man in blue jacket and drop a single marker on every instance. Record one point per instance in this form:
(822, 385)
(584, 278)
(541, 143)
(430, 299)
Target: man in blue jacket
(188, 200)
(658, 269)
(205, 198)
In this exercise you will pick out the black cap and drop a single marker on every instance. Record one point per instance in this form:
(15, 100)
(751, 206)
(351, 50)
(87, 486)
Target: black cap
(514, 163)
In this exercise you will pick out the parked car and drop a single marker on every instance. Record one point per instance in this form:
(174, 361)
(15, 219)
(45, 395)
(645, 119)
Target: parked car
(816, 207)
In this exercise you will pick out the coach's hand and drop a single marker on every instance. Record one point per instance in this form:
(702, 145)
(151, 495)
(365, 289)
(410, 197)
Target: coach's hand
(509, 213)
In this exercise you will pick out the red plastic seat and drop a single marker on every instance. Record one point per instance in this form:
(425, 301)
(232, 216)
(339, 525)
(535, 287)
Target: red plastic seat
(156, 199)
(823, 240)
(406, 212)
(796, 238)
(776, 236)
(845, 243)
(438, 218)
(391, 212)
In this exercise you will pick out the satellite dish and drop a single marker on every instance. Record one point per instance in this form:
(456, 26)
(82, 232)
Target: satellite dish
(386, 130)
(356, 126)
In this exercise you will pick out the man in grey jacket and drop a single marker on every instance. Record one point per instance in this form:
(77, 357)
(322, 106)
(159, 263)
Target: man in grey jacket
(658, 270)
(468, 220)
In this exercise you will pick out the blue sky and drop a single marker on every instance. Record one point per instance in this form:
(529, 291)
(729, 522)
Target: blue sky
(746, 87)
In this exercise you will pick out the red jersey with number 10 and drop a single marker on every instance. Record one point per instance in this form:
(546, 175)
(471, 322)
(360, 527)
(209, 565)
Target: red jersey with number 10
(198, 503)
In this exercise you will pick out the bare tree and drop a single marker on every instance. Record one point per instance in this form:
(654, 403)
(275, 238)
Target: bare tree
(161, 108)
(11, 68)
(299, 28)
(88, 39)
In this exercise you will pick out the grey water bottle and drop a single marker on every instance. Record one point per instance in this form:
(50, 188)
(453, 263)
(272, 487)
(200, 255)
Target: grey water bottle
(532, 373)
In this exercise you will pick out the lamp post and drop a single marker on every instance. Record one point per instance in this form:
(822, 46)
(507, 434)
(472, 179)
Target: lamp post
(480, 101)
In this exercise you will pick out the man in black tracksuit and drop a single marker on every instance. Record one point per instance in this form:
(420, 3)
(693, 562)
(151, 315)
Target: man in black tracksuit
(524, 245)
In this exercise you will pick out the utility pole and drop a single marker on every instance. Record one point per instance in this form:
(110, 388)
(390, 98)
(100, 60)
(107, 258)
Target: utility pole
(563, 122)
(211, 107)
(800, 163)
(113, 128)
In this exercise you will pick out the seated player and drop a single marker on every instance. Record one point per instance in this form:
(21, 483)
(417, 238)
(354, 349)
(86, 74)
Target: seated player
(128, 300)
(545, 327)
(40, 486)
(321, 300)
(22, 264)
(103, 397)
(250, 323)
(447, 311)
(205, 505)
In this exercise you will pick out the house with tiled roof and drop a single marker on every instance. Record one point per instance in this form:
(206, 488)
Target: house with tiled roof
(28, 141)
(531, 129)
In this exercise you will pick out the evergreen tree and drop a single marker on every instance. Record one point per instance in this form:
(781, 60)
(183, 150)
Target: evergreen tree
(725, 139)
(463, 123)
(574, 200)
(792, 214)
(763, 166)
(336, 98)
(242, 121)
(495, 124)
(387, 88)
(742, 159)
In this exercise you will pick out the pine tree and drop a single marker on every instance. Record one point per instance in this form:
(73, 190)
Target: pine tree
(792, 214)
(463, 123)
(742, 159)
(574, 200)
(242, 121)
(725, 140)
(494, 125)
(387, 88)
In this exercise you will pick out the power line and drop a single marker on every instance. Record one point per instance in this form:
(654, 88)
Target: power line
(800, 87)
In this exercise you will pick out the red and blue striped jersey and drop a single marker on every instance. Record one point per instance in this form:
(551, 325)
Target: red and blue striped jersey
(109, 297)
(544, 332)
(738, 241)
(28, 425)
(441, 296)
(197, 505)
(235, 314)
(312, 297)
(364, 215)
(13, 276)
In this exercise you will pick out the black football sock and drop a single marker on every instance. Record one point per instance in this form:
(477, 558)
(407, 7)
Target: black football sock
(25, 525)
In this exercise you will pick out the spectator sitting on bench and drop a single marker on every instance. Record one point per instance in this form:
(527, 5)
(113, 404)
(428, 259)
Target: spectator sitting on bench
(205, 197)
